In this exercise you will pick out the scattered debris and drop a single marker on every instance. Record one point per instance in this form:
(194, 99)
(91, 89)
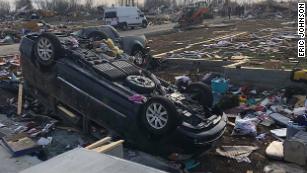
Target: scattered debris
(282, 133)
(44, 141)
(275, 150)
(240, 153)
(245, 126)
(19, 145)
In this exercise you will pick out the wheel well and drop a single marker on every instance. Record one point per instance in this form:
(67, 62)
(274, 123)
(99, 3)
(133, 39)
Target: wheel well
(136, 47)
(97, 32)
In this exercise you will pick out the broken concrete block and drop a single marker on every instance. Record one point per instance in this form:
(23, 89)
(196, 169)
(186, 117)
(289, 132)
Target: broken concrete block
(275, 150)
(295, 148)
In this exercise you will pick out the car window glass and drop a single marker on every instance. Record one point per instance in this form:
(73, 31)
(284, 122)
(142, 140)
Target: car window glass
(108, 32)
(111, 14)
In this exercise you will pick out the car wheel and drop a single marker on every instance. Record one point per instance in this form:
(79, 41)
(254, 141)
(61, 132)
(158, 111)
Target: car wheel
(201, 93)
(140, 84)
(47, 49)
(140, 58)
(144, 24)
(159, 116)
(124, 26)
(97, 36)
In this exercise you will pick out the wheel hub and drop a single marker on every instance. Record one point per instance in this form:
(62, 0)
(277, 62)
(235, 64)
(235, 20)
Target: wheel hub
(139, 58)
(44, 49)
(156, 115)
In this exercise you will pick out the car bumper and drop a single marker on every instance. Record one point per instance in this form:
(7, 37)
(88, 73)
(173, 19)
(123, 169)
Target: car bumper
(202, 138)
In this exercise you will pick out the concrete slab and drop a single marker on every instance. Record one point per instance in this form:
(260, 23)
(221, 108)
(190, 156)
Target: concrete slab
(269, 78)
(81, 160)
(9, 164)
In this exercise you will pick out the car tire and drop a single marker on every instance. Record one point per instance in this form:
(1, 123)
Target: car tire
(97, 36)
(159, 116)
(47, 49)
(124, 26)
(140, 84)
(140, 57)
(144, 24)
(202, 93)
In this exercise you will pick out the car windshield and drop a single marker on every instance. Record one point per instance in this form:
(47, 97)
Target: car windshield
(111, 14)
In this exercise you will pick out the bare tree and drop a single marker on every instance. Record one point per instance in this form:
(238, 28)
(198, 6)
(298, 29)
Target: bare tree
(149, 4)
(89, 4)
(5, 8)
(73, 5)
(27, 4)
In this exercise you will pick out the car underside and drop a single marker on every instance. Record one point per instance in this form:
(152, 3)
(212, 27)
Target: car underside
(131, 102)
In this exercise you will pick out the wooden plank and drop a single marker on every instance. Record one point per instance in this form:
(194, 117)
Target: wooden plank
(98, 143)
(66, 111)
(108, 147)
(19, 104)
(19, 144)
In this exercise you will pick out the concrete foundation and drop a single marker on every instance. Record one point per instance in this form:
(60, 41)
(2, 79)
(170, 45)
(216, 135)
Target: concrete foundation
(259, 77)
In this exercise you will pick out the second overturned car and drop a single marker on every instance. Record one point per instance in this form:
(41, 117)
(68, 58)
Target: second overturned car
(112, 92)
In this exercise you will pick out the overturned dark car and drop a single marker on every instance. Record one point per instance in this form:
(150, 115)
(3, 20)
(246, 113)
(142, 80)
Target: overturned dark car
(110, 91)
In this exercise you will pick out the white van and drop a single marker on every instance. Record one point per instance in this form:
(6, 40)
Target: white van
(125, 17)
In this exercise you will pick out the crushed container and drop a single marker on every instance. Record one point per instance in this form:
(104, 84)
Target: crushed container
(219, 85)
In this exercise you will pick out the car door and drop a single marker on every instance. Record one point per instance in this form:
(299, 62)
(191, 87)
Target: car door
(97, 99)
(132, 15)
(139, 18)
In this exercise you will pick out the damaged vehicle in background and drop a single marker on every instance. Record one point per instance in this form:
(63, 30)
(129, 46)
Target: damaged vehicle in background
(136, 46)
(114, 93)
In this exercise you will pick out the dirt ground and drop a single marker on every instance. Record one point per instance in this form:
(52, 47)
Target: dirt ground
(258, 36)
(165, 43)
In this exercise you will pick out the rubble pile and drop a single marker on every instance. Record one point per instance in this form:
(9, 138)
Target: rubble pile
(36, 131)
(274, 121)
(271, 9)
(10, 71)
